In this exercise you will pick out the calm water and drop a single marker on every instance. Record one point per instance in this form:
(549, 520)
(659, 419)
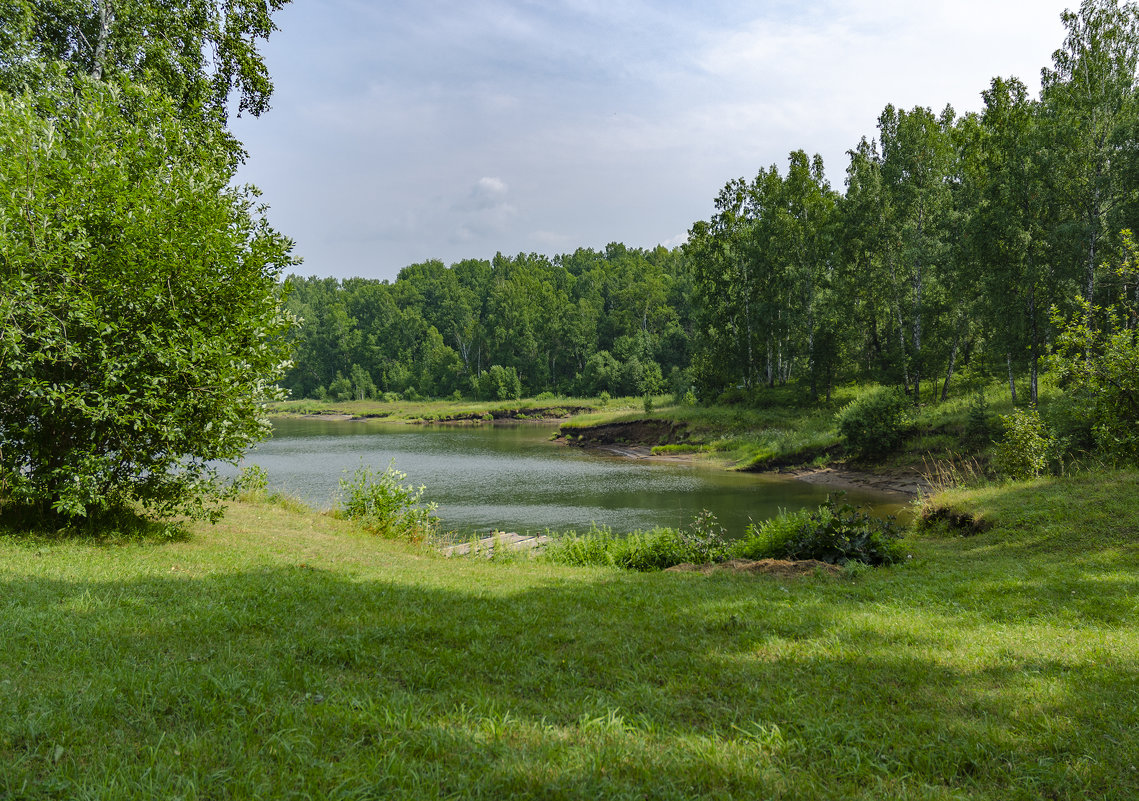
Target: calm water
(513, 478)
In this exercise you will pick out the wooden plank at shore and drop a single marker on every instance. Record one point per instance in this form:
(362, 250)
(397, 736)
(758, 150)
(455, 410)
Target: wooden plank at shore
(500, 539)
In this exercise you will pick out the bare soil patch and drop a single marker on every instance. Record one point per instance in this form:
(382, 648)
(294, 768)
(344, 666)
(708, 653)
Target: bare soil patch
(909, 483)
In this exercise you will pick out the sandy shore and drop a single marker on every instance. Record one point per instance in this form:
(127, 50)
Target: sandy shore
(908, 483)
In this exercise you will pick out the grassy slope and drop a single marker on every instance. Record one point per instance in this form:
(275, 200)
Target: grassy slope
(287, 655)
(787, 430)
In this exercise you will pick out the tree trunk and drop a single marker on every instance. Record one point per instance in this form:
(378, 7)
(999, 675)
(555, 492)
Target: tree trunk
(106, 19)
(901, 328)
(949, 372)
(1034, 354)
(1011, 380)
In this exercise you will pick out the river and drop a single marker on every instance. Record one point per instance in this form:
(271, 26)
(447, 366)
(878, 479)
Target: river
(512, 477)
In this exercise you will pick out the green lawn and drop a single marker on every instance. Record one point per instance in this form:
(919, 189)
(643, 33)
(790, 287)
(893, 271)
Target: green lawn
(282, 654)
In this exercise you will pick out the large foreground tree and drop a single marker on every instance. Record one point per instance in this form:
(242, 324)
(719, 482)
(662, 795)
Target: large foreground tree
(140, 315)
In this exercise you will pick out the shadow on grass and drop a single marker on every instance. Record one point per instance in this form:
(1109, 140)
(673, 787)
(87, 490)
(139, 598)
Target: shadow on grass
(303, 681)
(121, 529)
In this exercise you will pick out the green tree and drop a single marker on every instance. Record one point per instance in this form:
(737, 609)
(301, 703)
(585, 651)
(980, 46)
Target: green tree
(917, 164)
(139, 302)
(1096, 358)
(1089, 110)
(199, 53)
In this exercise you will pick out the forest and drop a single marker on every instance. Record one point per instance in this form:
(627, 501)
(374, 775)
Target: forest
(959, 241)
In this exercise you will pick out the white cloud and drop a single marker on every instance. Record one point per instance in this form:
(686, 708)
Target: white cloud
(485, 210)
(410, 130)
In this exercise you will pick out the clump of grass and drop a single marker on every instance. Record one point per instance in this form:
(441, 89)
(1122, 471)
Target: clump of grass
(655, 549)
(835, 533)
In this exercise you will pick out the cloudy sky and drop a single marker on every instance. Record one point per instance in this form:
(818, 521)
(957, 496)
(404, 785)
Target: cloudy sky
(407, 130)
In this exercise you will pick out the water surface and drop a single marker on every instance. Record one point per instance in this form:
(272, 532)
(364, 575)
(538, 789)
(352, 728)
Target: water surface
(511, 477)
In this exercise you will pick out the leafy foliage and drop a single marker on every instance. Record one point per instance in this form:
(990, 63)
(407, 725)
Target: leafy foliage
(1099, 367)
(874, 423)
(499, 383)
(383, 504)
(196, 52)
(142, 326)
(841, 534)
(1026, 446)
(832, 533)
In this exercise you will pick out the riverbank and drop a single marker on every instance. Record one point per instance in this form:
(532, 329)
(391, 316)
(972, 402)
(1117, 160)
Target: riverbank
(288, 653)
(787, 437)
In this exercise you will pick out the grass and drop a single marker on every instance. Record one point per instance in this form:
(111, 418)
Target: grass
(287, 654)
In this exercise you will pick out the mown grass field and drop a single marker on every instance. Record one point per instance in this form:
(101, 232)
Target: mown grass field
(283, 654)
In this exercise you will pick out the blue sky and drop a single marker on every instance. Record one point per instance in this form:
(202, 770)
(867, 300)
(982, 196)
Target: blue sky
(407, 130)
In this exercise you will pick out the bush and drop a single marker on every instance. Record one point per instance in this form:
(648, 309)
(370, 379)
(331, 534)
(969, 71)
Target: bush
(1096, 360)
(340, 389)
(384, 505)
(142, 321)
(1026, 446)
(832, 533)
(874, 423)
(500, 383)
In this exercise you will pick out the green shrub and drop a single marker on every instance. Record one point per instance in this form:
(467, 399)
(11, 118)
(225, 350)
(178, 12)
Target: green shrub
(383, 504)
(1096, 360)
(841, 534)
(340, 389)
(647, 401)
(831, 533)
(545, 396)
(252, 483)
(499, 383)
(704, 540)
(604, 397)
(1026, 446)
(874, 423)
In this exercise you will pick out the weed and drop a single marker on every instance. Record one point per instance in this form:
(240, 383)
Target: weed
(384, 505)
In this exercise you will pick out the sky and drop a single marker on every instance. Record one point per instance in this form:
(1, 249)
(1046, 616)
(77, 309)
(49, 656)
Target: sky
(409, 130)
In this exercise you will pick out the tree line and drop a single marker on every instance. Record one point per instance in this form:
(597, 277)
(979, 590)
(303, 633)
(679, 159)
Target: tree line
(616, 321)
(955, 238)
